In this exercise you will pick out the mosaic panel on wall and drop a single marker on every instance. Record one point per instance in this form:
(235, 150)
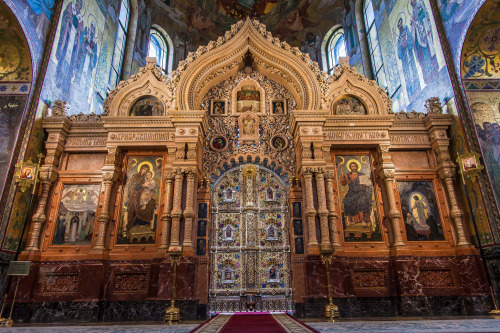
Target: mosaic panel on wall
(76, 215)
(79, 67)
(36, 16)
(139, 214)
(15, 86)
(250, 254)
(480, 71)
(420, 211)
(357, 198)
(147, 106)
(412, 56)
(302, 24)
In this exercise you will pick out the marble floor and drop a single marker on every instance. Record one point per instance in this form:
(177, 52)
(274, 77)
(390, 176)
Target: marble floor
(373, 326)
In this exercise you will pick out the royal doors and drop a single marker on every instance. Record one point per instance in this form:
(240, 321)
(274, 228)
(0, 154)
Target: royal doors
(250, 248)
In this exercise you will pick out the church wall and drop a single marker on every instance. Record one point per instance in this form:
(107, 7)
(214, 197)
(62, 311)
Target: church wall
(303, 24)
(142, 37)
(16, 75)
(367, 278)
(480, 80)
(79, 65)
(413, 73)
(456, 16)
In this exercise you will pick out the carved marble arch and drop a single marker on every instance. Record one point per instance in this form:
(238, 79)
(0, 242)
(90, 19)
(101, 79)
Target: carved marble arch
(220, 59)
(148, 82)
(346, 82)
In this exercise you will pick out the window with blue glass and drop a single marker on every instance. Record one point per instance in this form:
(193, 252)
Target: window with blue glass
(393, 88)
(335, 49)
(158, 48)
(119, 50)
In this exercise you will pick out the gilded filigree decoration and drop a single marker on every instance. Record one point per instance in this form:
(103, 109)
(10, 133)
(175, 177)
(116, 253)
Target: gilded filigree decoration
(270, 126)
(250, 252)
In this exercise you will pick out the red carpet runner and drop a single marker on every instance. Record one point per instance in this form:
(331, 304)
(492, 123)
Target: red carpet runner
(253, 323)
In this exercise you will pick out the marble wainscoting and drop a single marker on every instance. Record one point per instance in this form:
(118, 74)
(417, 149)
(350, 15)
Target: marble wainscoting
(395, 286)
(90, 291)
(372, 307)
(107, 311)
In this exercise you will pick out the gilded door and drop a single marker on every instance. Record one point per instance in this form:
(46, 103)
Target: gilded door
(250, 248)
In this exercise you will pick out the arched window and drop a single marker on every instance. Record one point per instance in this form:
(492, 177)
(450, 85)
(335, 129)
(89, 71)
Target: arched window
(121, 36)
(335, 48)
(158, 48)
(373, 44)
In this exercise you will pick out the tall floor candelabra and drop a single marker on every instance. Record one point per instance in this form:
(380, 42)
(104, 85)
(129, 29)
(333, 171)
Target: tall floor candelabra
(172, 313)
(331, 310)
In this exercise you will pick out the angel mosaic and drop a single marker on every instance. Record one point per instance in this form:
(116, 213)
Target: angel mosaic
(420, 211)
(140, 203)
(76, 215)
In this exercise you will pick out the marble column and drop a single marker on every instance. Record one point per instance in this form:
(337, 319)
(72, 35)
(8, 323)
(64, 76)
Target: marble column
(310, 212)
(457, 215)
(322, 210)
(177, 209)
(167, 217)
(386, 173)
(189, 211)
(437, 124)
(332, 211)
(48, 174)
(109, 177)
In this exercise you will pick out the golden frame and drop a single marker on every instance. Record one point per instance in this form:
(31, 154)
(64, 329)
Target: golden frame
(26, 174)
(469, 165)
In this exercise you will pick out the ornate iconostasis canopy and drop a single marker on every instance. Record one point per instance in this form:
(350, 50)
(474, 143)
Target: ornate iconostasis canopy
(248, 142)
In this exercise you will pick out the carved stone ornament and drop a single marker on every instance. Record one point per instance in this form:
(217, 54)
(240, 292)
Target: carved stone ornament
(81, 117)
(149, 81)
(346, 81)
(410, 115)
(60, 283)
(249, 127)
(279, 142)
(220, 59)
(433, 105)
(60, 108)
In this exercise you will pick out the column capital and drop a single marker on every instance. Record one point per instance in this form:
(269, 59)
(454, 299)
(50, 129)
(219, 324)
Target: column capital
(387, 173)
(307, 172)
(445, 173)
(113, 155)
(190, 173)
(169, 176)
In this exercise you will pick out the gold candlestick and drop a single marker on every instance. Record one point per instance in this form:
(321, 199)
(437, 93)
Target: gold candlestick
(172, 313)
(331, 310)
(2, 319)
(9, 322)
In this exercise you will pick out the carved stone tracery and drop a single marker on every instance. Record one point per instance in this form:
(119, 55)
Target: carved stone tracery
(269, 126)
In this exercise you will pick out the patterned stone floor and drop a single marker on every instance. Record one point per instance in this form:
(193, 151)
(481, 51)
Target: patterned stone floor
(386, 326)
